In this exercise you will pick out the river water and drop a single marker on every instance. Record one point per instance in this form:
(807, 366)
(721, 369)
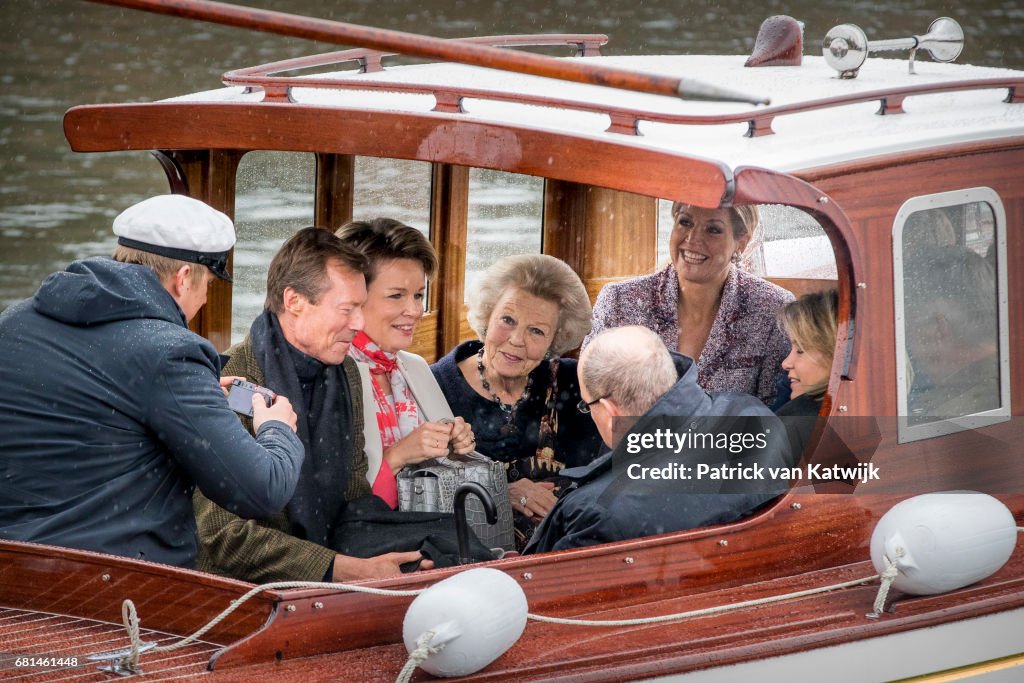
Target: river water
(56, 205)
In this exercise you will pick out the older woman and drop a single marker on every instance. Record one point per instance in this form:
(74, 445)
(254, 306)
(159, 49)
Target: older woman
(706, 307)
(511, 384)
(413, 422)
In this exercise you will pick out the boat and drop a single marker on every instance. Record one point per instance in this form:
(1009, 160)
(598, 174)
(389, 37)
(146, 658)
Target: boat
(850, 148)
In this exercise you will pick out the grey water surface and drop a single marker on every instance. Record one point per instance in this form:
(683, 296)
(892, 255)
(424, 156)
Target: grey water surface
(57, 205)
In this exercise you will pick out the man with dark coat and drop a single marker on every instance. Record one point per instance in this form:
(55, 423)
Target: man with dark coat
(298, 348)
(650, 483)
(112, 409)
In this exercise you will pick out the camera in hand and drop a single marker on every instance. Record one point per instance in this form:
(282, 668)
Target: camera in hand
(240, 396)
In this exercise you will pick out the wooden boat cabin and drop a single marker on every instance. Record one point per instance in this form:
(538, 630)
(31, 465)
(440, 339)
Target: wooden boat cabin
(852, 176)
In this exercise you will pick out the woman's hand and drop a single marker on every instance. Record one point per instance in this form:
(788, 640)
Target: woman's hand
(462, 439)
(429, 440)
(539, 497)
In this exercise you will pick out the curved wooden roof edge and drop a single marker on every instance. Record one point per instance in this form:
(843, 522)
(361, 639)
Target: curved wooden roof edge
(425, 136)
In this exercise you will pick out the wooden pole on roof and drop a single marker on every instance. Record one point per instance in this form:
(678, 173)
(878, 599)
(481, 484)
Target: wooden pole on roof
(416, 45)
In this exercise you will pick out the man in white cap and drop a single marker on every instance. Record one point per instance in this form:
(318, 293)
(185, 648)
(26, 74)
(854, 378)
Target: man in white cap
(112, 408)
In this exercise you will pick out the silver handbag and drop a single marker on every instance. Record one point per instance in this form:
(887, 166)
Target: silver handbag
(431, 488)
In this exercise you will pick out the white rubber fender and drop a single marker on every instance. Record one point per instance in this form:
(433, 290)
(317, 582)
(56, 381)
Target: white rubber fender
(478, 614)
(944, 541)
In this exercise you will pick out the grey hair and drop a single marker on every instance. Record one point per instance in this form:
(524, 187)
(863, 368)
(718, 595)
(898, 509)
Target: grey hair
(544, 277)
(631, 365)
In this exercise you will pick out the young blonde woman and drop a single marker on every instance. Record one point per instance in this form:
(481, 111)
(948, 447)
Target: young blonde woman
(810, 322)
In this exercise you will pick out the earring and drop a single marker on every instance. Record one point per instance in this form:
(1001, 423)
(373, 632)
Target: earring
(548, 355)
(736, 257)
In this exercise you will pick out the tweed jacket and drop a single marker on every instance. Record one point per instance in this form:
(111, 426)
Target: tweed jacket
(263, 550)
(745, 348)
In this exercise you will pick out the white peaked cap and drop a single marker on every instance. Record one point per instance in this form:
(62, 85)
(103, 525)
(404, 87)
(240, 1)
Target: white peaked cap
(178, 227)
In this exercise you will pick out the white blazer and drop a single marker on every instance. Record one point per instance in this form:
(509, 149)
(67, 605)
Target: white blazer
(429, 400)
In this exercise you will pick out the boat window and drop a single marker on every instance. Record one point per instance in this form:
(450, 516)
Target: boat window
(505, 218)
(665, 223)
(793, 245)
(949, 258)
(274, 198)
(392, 188)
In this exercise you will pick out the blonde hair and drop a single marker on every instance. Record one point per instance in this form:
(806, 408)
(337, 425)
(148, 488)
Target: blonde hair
(544, 277)
(163, 266)
(811, 322)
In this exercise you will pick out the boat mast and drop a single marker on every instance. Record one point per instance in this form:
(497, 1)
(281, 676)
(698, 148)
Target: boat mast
(416, 45)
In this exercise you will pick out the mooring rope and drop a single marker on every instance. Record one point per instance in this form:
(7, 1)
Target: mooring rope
(424, 648)
(701, 612)
(888, 576)
(131, 660)
(424, 644)
(131, 623)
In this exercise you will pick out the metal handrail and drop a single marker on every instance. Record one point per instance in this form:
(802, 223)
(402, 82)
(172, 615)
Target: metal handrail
(370, 61)
(624, 120)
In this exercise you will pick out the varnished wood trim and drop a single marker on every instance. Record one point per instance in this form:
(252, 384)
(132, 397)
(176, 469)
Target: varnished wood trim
(175, 174)
(761, 186)
(449, 218)
(803, 285)
(210, 176)
(603, 234)
(425, 136)
(335, 182)
(369, 61)
(92, 586)
(904, 159)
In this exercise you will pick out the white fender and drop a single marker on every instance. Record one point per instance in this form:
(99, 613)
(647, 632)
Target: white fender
(478, 614)
(944, 541)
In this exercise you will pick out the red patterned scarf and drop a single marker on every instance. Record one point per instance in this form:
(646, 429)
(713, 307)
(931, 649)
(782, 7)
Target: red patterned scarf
(394, 420)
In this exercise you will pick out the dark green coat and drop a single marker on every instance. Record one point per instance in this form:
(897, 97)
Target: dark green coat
(263, 550)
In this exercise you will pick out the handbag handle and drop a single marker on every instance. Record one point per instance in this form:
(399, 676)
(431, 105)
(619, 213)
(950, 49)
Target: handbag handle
(459, 505)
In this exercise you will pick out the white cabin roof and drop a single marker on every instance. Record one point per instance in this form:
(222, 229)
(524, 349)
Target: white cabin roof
(801, 141)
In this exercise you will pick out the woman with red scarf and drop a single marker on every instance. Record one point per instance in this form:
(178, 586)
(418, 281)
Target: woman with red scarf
(413, 421)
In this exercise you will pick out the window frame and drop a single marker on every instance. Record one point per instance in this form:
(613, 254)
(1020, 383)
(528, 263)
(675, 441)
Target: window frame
(905, 431)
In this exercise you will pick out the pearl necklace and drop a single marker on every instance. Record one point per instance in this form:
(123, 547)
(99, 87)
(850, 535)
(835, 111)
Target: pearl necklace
(508, 410)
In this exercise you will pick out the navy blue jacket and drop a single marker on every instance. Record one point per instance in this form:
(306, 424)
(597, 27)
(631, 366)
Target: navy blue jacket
(608, 505)
(111, 414)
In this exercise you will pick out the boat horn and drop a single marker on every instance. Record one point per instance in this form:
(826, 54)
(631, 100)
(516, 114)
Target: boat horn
(846, 46)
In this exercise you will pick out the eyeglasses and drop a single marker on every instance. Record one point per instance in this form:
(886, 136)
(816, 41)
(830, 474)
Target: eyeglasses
(584, 406)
